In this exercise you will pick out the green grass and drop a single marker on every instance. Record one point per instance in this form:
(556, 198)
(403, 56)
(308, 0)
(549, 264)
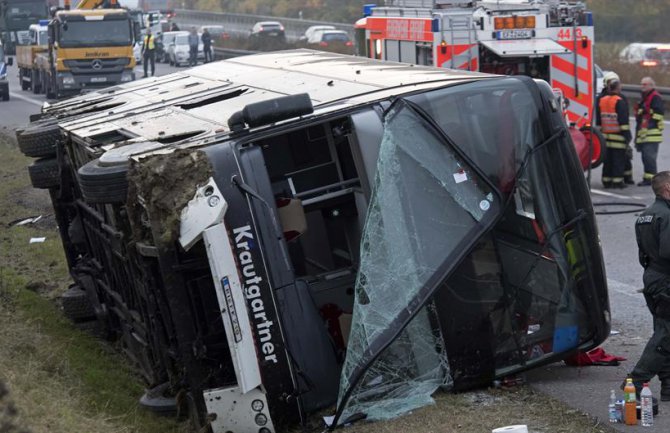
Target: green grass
(61, 379)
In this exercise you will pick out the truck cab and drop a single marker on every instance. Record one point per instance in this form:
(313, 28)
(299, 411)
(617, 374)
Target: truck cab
(88, 49)
(15, 18)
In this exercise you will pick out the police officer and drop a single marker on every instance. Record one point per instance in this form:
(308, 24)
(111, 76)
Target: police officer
(149, 53)
(612, 116)
(649, 128)
(652, 230)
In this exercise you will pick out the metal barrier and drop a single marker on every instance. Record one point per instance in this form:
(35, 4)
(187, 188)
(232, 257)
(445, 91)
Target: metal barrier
(228, 53)
(239, 25)
(632, 92)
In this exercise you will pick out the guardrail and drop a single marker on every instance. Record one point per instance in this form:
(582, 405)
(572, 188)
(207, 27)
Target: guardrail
(632, 92)
(229, 53)
(239, 25)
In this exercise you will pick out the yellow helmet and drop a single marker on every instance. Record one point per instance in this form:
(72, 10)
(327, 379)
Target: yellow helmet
(609, 76)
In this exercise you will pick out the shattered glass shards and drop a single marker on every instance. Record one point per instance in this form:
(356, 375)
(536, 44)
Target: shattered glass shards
(425, 205)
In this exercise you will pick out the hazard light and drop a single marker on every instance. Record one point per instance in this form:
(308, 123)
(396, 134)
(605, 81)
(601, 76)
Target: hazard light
(649, 63)
(514, 22)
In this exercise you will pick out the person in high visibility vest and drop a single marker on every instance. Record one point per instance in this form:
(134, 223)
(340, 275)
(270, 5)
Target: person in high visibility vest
(628, 169)
(612, 116)
(149, 53)
(649, 128)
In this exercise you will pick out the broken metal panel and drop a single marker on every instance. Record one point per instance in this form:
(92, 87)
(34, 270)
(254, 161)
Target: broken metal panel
(428, 207)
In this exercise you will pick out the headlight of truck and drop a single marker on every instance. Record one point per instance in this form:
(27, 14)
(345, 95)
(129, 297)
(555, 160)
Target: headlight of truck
(127, 76)
(68, 80)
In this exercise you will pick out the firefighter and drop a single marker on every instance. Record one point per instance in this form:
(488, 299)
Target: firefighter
(649, 128)
(628, 168)
(612, 115)
(652, 231)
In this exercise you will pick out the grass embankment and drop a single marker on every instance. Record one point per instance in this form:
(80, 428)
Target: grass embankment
(62, 380)
(59, 378)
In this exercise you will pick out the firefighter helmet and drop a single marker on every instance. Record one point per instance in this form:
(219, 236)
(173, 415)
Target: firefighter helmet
(609, 76)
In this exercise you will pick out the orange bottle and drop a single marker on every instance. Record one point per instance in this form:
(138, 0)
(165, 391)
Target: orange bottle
(630, 403)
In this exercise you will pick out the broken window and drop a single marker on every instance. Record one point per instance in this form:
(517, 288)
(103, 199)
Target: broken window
(427, 208)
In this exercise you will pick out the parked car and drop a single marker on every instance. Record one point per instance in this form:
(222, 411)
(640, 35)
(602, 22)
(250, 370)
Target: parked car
(267, 35)
(217, 32)
(4, 84)
(390, 230)
(167, 39)
(331, 40)
(312, 30)
(178, 50)
(650, 55)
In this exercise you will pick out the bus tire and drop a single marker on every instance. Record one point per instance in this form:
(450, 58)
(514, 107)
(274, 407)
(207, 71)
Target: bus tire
(44, 173)
(76, 305)
(39, 141)
(103, 184)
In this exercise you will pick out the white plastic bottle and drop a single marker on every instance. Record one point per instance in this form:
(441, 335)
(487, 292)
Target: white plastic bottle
(611, 408)
(646, 406)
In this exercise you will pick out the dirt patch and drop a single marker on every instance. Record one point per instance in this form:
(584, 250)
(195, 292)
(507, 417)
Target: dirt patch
(160, 186)
(8, 413)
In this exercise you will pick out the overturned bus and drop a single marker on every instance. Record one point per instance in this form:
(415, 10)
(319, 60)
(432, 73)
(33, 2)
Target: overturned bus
(276, 234)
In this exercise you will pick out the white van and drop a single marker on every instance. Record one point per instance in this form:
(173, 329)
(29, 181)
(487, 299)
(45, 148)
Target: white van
(650, 55)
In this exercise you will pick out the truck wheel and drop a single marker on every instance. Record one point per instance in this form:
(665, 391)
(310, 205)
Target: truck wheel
(38, 141)
(102, 184)
(44, 173)
(5, 93)
(24, 84)
(76, 305)
(35, 82)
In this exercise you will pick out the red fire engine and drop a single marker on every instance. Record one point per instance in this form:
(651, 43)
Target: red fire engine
(550, 40)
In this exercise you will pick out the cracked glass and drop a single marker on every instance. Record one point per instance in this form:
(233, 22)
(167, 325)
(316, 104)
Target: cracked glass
(427, 208)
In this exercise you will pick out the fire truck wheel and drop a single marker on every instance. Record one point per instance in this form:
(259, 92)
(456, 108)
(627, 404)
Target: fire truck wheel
(599, 147)
(102, 184)
(40, 140)
(44, 173)
(76, 305)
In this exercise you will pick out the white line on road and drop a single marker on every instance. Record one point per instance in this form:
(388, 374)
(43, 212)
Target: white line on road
(619, 196)
(27, 99)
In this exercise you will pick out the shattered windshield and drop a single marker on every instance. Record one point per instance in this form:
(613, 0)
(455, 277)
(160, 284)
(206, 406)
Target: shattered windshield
(427, 207)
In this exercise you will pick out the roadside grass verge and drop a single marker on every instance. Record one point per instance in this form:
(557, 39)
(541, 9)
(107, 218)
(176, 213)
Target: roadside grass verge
(63, 380)
(60, 378)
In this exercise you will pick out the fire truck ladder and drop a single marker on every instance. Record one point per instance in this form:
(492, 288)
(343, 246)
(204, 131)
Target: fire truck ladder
(461, 33)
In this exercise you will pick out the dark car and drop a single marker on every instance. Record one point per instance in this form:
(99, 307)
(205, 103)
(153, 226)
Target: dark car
(332, 40)
(267, 35)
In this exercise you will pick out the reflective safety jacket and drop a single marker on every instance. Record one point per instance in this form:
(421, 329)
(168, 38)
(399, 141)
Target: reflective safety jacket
(649, 119)
(612, 116)
(652, 231)
(149, 42)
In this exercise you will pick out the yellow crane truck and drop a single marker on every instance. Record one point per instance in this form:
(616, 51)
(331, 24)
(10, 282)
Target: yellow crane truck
(89, 47)
(26, 56)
